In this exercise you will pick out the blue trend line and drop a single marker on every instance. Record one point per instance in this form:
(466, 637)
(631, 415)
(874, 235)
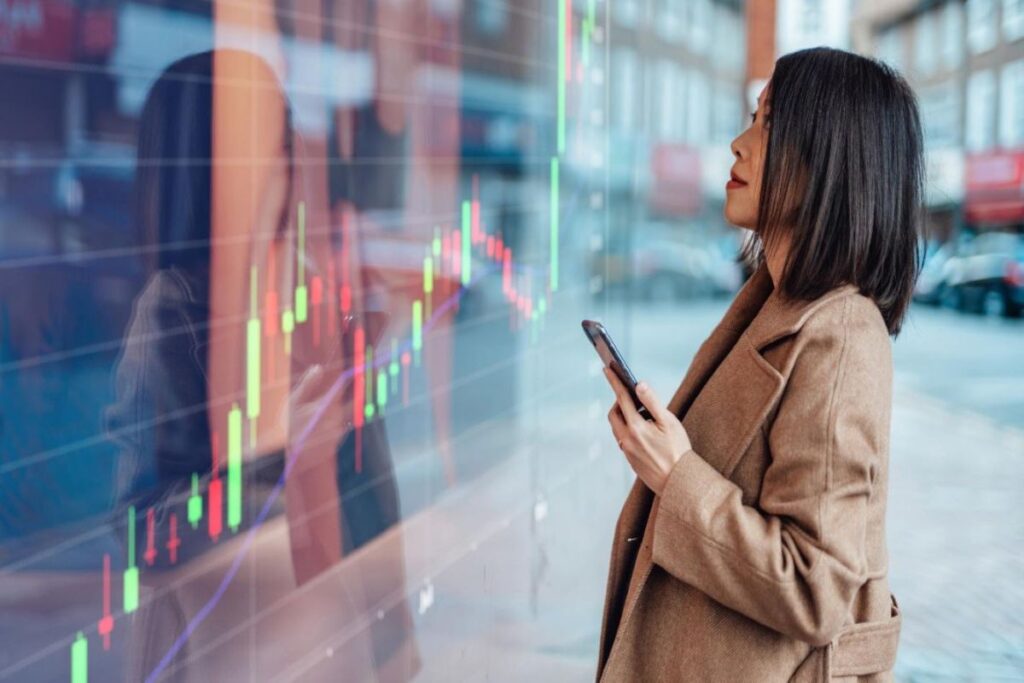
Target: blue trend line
(204, 612)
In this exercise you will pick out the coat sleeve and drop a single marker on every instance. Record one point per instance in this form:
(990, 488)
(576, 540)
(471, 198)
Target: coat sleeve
(795, 561)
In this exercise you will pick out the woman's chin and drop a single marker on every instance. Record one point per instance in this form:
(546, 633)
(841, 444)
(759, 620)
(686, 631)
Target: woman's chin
(739, 219)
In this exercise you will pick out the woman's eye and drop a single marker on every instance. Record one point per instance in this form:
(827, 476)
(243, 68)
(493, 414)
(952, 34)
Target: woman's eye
(753, 117)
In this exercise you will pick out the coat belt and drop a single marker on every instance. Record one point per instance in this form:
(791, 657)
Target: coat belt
(867, 648)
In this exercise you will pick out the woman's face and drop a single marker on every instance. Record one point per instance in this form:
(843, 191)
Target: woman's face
(743, 190)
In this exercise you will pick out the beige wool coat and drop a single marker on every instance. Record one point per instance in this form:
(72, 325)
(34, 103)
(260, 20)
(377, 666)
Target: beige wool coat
(764, 558)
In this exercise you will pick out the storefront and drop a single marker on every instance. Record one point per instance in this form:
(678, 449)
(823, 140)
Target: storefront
(676, 180)
(44, 116)
(995, 191)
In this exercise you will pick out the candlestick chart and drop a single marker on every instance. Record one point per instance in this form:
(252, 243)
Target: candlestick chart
(328, 265)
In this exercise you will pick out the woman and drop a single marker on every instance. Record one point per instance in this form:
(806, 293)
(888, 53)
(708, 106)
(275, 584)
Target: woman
(752, 545)
(162, 422)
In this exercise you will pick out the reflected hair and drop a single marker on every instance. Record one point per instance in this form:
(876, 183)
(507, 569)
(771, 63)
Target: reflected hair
(843, 179)
(175, 161)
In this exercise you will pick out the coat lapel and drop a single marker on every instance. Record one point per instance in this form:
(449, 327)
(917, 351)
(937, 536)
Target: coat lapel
(638, 505)
(731, 387)
(744, 307)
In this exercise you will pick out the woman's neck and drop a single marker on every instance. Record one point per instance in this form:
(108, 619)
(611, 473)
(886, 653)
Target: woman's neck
(775, 258)
(774, 270)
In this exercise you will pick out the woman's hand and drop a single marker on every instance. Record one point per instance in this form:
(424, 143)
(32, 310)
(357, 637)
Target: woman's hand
(651, 447)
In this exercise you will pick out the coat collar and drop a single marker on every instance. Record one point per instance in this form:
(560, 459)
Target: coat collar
(761, 313)
(778, 316)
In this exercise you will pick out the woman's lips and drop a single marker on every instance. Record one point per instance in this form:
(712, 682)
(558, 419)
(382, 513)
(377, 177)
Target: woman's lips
(734, 182)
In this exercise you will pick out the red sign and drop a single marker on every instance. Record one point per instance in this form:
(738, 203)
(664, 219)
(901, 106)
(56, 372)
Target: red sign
(676, 179)
(96, 31)
(37, 29)
(995, 187)
(995, 170)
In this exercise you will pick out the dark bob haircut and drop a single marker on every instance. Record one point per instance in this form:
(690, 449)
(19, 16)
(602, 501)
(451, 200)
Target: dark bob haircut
(175, 157)
(843, 179)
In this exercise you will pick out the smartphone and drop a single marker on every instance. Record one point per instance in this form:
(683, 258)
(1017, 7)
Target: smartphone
(612, 358)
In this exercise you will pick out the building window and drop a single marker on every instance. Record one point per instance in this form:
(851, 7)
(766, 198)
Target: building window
(939, 109)
(810, 19)
(952, 34)
(698, 115)
(728, 44)
(627, 12)
(626, 97)
(981, 108)
(651, 98)
(679, 76)
(491, 15)
(738, 29)
(670, 101)
(890, 48)
(981, 25)
(1011, 109)
(725, 120)
(670, 24)
(1013, 19)
(700, 25)
(924, 43)
(721, 41)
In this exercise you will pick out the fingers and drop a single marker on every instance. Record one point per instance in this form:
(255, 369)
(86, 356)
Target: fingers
(622, 432)
(651, 401)
(619, 427)
(622, 397)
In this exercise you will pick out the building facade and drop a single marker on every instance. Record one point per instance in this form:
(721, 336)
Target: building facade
(966, 62)
(678, 78)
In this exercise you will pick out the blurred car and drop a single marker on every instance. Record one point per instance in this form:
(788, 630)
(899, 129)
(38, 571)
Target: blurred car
(986, 275)
(931, 281)
(660, 262)
(666, 270)
(725, 272)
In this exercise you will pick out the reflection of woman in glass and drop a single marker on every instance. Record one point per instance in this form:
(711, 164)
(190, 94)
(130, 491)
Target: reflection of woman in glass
(169, 418)
(160, 417)
(752, 546)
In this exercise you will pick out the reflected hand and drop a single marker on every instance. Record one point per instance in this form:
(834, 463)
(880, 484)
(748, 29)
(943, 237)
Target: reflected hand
(651, 447)
(315, 407)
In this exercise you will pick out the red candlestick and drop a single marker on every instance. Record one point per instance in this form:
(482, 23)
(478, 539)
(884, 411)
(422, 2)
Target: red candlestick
(173, 542)
(215, 495)
(106, 624)
(358, 388)
(150, 554)
(316, 297)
